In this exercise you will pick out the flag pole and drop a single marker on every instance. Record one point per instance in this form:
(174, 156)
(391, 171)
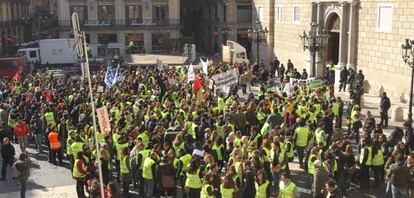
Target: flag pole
(82, 51)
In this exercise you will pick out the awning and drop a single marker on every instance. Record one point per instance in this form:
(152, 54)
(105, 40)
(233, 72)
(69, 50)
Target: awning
(8, 39)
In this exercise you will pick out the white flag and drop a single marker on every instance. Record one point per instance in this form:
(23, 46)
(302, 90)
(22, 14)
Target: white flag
(190, 73)
(204, 66)
(159, 65)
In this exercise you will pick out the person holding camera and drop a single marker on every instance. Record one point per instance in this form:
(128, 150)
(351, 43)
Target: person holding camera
(21, 169)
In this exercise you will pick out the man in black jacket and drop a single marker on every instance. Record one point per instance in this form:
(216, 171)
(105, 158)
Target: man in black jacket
(343, 79)
(247, 190)
(385, 105)
(408, 137)
(7, 153)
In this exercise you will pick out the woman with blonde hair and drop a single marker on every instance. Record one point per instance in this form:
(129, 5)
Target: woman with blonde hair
(208, 160)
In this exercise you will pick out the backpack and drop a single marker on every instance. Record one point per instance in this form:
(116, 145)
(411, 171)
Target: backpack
(400, 177)
(16, 172)
(168, 181)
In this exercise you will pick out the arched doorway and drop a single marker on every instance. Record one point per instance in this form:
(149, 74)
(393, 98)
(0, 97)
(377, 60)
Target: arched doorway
(332, 49)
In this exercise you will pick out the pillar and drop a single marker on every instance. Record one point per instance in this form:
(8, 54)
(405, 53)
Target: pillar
(314, 11)
(319, 55)
(121, 42)
(342, 37)
(352, 36)
(342, 55)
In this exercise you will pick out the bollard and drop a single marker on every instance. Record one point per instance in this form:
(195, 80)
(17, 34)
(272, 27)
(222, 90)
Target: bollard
(362, 101)
(397, 114)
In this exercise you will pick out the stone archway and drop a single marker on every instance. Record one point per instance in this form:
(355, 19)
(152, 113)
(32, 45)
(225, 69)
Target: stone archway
(333, 27)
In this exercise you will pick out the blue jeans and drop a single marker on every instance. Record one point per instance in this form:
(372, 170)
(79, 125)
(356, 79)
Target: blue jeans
(39, 141)
(276, 180)
(23, 182)
(148, 188)
(399, 192)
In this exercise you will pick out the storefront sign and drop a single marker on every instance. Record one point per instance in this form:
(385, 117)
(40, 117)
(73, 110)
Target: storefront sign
(142, 23)
(97, 23)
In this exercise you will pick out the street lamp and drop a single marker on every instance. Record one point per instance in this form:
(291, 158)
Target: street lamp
(315, 42)
(408, 57)
(260, 36)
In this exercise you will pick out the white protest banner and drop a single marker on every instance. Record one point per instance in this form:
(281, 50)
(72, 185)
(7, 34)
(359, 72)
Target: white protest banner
(204, 66)
(190, 73)
(103, 119)
(100, 89)
(226, 79)
(226, 54)
(210, 84)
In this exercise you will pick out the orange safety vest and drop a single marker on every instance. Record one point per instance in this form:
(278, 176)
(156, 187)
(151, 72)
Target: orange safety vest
(54, 140)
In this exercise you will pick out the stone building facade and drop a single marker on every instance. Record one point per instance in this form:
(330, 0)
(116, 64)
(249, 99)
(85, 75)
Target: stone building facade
(224, 20)
(363, 34)
(111, 25)
(14, 23)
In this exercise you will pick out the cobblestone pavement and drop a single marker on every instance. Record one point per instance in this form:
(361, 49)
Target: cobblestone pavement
(44, 175)
(48, 180)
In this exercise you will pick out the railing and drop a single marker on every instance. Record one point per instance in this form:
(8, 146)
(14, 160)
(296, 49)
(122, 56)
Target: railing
(122, 23)
(15, 22)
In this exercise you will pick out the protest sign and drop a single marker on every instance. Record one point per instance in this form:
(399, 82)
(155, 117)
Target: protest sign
(190, 73)
(103, 119)
(226, 79)
(316, 84)
(246, 78)
(226, 54)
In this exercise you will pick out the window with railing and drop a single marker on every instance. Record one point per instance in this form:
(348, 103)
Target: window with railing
(135, 43)
(160, 14)
(106, 13)
(244, 13)
(82, 12)
(159, 41)
(133, 14)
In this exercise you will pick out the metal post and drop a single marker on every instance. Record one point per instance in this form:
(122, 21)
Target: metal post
(314, 57)
(81, 47)
(93, 115)
(410, 108)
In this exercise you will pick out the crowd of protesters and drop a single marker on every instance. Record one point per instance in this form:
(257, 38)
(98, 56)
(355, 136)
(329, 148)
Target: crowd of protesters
(170, 138)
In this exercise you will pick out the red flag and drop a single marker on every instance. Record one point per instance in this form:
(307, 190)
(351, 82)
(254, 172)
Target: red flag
(197, 84)
(16, 76)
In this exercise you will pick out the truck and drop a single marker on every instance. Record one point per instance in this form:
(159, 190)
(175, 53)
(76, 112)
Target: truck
(233, 52)
(51, 52)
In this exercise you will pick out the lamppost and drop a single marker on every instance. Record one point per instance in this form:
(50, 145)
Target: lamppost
(315, 42)
(408, 57)
(260, 36)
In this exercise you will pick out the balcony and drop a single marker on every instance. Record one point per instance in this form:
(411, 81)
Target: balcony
(129, 23)
(12, 23)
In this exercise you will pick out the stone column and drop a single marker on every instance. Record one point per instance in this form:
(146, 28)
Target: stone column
(320, 55)
(342, 42)
(352, 36)
(314, 11)
(342, 37)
